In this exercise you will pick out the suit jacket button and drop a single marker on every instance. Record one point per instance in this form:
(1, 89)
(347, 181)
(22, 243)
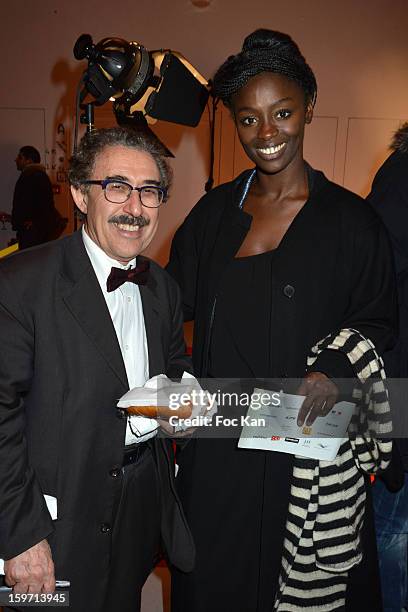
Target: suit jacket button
(114, 472)
(105, 528)
(289, 291)
(121, 414)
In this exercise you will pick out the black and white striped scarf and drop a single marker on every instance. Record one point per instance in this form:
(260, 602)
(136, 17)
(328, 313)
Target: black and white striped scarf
(327, 498)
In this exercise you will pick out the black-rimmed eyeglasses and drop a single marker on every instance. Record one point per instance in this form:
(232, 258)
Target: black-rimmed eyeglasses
(118, 192)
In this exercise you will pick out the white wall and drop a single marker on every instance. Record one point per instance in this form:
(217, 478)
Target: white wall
(357, 48)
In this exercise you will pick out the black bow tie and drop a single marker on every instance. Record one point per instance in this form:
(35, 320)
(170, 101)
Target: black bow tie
(137, 275)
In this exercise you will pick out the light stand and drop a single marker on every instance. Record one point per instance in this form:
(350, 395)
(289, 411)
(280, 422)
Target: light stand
(88, 116)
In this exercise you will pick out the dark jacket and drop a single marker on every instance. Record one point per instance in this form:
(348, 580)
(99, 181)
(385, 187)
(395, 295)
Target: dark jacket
(333, 269)
(61, 375)
(34, 217)
(389, 197)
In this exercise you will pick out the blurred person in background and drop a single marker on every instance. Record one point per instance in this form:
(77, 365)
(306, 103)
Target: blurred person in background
(34, 216)
(389, 197)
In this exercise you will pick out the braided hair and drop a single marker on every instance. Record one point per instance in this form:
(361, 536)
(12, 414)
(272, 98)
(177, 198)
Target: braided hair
(264, 51)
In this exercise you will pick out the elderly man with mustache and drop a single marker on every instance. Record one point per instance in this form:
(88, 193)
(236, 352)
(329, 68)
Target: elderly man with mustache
(82, 320)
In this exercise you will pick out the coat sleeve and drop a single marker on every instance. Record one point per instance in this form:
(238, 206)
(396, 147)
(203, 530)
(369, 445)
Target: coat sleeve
(185, 254)
(178, 361)
(24, 518)
(372, 304)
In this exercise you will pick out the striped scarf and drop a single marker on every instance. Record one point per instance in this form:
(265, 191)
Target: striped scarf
(327, 498)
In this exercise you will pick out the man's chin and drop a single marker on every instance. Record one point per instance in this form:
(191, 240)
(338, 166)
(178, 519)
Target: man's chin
(126, 255)
(132, 244)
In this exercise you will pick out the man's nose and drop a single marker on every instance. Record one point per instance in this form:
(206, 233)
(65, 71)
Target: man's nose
(133, 204)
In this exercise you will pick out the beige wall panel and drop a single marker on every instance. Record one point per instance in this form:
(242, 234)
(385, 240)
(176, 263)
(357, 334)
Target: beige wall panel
(321, 144)
(191, 147)
(367, 146)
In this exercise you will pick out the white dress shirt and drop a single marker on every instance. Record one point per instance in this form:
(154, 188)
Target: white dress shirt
(125, 308)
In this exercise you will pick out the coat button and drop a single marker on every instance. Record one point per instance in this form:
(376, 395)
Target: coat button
(114, 472)
(105, 528)
(289, 291)
(121, 414)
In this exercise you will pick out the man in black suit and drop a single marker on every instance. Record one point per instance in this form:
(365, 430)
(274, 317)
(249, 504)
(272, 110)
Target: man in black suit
(75, 336)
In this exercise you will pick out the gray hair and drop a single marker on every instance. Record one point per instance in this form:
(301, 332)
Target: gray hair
(93, 144)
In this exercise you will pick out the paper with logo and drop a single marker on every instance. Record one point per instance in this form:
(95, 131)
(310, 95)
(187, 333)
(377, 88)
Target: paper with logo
(276, 428)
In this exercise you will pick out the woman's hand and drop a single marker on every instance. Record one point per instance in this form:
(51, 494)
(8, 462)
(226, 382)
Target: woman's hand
(321, 395)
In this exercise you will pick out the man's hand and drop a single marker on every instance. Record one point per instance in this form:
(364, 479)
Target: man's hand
(32, 571)
(321, 395)
(184, 411)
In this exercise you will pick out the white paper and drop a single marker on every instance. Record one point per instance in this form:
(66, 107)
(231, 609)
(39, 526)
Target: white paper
(155, 392)
(52, 509)
(275, 427)
(158, 390)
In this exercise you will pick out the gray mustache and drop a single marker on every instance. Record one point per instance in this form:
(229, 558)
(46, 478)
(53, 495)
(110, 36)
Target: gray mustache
(130, 220)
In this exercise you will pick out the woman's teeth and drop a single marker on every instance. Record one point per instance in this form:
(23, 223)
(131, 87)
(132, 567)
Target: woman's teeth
(271, 150)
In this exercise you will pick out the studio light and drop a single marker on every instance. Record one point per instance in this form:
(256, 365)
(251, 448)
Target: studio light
(144, 84)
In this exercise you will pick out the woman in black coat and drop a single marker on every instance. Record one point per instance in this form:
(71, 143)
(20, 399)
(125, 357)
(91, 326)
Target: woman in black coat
(270, 264)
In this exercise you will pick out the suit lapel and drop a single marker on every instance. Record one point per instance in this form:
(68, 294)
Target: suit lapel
(84, 299)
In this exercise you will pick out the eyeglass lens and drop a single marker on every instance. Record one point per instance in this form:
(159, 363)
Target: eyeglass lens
(118, 193)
